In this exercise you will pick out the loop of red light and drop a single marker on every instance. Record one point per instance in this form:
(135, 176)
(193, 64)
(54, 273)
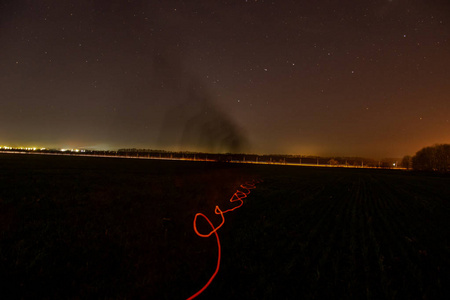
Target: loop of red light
(237, 196)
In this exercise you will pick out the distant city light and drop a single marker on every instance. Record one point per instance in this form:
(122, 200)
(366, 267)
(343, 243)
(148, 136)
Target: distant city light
(71, 150)
(20, 148)
(27, 148)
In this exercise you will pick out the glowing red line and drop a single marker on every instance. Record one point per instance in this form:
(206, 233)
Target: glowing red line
(237, 196)
(218, 247)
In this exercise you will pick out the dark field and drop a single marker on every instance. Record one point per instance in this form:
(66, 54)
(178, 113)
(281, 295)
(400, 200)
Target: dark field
(80, 227)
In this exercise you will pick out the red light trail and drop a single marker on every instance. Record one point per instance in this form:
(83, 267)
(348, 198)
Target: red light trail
(237, 196)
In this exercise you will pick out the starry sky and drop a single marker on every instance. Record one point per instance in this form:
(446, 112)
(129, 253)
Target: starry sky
(343, 78)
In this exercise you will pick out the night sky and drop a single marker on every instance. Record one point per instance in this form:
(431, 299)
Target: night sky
(351, 78)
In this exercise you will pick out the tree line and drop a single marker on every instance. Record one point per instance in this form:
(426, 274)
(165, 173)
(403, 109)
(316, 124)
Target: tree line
(433, 158)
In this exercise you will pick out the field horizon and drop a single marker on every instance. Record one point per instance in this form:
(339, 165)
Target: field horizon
(93, 227)
(275, 159)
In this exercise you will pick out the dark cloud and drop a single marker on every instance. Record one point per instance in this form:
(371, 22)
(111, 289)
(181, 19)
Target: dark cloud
(194, 122)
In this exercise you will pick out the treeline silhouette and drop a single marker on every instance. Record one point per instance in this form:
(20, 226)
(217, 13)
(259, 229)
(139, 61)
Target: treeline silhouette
(433, 158)
(336, 161)
(262, 158)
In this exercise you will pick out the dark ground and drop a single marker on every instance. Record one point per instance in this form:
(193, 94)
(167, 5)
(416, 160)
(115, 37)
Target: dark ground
(81, 227)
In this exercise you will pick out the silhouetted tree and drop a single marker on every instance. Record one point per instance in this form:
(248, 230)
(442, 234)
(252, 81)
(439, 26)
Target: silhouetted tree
(406, 162)
(434, 158)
